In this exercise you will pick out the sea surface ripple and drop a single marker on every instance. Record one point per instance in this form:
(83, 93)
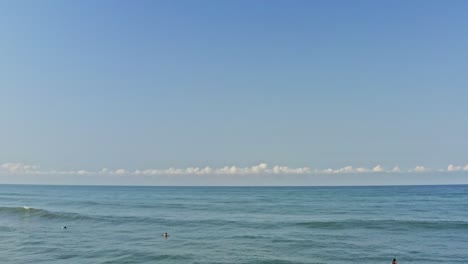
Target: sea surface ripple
(293, 225)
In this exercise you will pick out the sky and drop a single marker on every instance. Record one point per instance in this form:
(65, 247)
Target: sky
(233, 92)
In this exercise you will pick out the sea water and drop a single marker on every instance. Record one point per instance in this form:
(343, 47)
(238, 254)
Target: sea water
(333, 225)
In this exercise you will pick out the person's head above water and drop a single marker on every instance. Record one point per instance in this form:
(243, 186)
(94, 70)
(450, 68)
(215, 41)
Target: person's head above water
(394, 261)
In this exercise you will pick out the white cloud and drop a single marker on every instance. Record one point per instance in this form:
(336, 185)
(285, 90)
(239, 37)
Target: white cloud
(421, 169)
(19, 168)
(259, 169)
(120, 172)
(347, 169)
(82, 172)
(286, 170)
(377, 168)
(452, 167)
(351, 169)
(262, 168)
(361, 170)
(326, 171)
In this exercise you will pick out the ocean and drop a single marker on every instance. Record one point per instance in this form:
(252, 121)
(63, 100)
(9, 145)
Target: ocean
(332, 225)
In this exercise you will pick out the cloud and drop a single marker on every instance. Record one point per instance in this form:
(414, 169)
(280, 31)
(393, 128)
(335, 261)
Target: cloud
(326, 171)
(378, 168)
(174, 171)
(286, 170)
(347, 169)
(19, 168)
(351, 169)
(120, 172)
(82, 172)
(259, 169)
(452, 167)
(262, 168)
(421, 169)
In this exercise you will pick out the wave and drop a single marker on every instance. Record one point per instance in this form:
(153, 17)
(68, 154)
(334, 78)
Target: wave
(274, 261)
(380, 224)
(253, 237)
(30, 212)
(18, 194)
(142, 256)
(26, 211)
(385, 224)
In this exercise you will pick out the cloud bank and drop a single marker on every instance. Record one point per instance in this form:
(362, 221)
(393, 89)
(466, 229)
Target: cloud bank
(18, 167)
(259, 169)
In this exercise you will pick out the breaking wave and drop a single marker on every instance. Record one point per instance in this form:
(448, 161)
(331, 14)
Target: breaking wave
(26, 211)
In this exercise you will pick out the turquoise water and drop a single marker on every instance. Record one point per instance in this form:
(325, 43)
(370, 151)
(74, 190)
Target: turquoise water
(335, 225)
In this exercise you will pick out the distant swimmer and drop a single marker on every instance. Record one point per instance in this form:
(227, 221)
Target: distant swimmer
(64, 227)
(165, 235)
(394, 261)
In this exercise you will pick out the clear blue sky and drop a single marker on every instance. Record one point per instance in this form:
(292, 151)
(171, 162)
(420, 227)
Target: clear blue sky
(159, 84)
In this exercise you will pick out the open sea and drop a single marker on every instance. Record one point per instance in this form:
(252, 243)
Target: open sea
(332, 225)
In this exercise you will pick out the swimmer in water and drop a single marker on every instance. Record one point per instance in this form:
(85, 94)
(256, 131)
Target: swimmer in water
(394, 261)
(165, 235)
(64, 227)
